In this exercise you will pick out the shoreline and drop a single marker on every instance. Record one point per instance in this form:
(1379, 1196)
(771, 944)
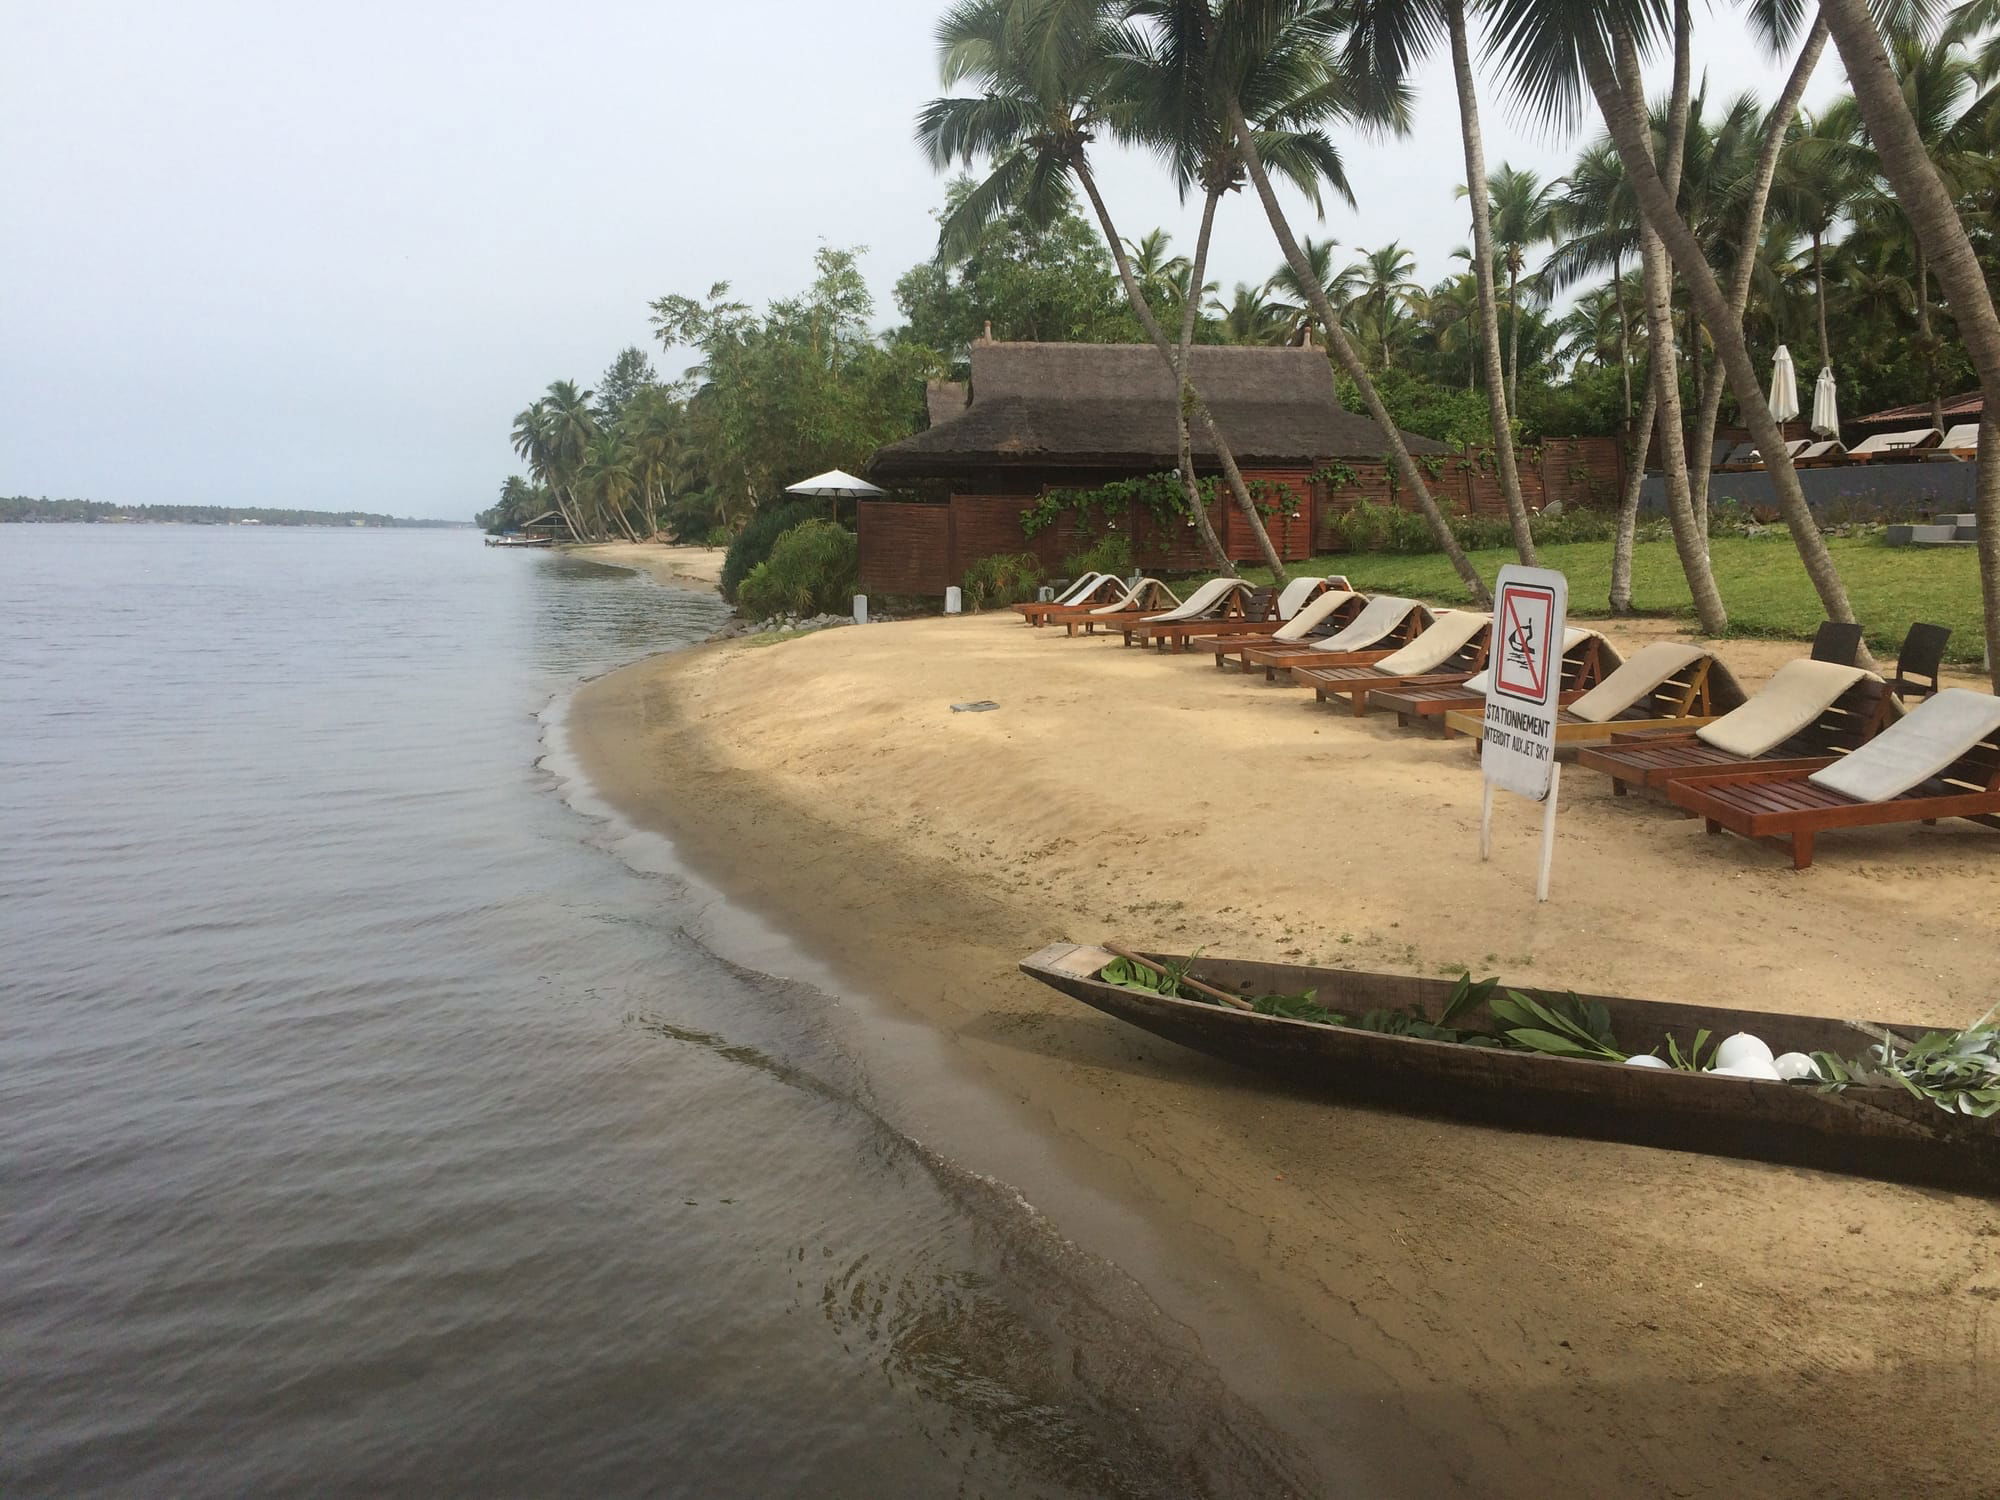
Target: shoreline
(696, 568)
(1462, 1287)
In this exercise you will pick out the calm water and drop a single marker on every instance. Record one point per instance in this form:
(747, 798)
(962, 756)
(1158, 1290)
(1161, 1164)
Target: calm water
(369, 1128)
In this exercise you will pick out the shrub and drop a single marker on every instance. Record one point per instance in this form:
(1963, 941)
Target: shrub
(1005, 578)
(1108, 554)
(1369, 527)
(810, 571)
(754, 542)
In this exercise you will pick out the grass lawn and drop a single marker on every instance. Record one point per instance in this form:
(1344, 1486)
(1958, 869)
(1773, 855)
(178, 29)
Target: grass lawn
(1763, 583)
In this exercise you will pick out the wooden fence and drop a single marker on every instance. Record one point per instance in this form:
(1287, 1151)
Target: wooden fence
(1576, 471)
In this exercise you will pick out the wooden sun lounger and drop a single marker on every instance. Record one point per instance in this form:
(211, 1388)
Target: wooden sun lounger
(1038, 612)
(1229, 648)
(1687, 700)
(1237, 608)
(1092, 617)
(1657, 758)
(1356, 683)
(1789, 807)
(1584, 666)
(1275, 659)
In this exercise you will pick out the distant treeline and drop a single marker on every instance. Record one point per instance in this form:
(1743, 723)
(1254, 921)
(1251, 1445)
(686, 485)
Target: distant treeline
(25, 508)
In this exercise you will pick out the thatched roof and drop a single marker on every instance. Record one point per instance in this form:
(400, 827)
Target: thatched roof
(1112, 406)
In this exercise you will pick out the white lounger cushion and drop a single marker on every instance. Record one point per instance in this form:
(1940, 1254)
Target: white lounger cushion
(1131, 597)
(1455, 629)
(1075, 592)
(1573, 637)
(1206, 597)
(1965, 437)
(1296, 593)
(1930, 737)
(1296, 627)
(1798, 693)
(1895, 442)
(1384, 613)
(1652, 666)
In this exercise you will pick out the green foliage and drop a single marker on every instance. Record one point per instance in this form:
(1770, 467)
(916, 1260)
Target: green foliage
(1560, 1024)
(1110, 553)
(1053, 284)
(1105, 508)
(1164, 980)
(1958, 1071)
(1005, 578)
(810, 571)
(1451, 414)
(754, 542)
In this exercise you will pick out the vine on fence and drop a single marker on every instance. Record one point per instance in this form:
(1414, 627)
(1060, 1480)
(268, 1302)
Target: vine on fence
(1105, 507)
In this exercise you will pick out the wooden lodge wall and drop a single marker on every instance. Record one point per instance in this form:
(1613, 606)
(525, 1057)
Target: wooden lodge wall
(921, 549)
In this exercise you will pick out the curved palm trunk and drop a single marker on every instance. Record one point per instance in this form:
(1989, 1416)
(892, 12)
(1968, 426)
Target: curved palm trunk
(1657, 287)
(1759, 196)
(1628, 132)
(1144, 312)
(1628, 501)
(1499, 405)
(1819, 295)
(1406, 466)
(1934, 220)
(1189, 304)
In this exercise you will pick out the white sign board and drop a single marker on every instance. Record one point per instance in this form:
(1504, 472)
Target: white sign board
(1518, 752)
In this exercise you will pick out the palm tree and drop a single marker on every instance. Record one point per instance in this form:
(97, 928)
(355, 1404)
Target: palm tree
(1524, 216)
(1248, 318)
(1250, 29)
(1601, 220)
(1288, 293)
(1050, 73)
(1390, 37)
(1162, 277)
(1823, 171)
(1382, 285)
(1919, 186)
(1556, 40)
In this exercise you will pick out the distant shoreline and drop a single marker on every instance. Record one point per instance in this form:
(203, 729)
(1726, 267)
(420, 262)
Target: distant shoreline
(42, 511)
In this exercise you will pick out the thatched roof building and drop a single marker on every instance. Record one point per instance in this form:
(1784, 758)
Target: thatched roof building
(1110, 408)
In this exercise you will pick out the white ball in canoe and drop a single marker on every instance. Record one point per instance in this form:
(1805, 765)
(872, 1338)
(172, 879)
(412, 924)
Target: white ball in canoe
(1646, 1060)
(1749, 1068)
(1791, 1065)
(1741, 1048)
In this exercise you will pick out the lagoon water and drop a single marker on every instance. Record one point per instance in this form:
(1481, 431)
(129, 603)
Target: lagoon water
(370, 1127)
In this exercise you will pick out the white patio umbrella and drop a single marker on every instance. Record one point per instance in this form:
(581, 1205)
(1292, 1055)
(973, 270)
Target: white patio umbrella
(1784, 387)
(1826, 406)
(835, 485)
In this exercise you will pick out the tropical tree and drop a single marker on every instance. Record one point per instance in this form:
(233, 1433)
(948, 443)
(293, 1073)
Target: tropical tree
(1524, 217)
(1246, 31)
(1249, 317)
(1162, 277)
(1381, 287)
(1288, 293)
(1824, 170)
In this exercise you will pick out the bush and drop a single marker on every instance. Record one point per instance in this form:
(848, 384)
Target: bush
(1369, 527)
(1108, 554)
(810, 572)
(754, 542)
(1005, 578)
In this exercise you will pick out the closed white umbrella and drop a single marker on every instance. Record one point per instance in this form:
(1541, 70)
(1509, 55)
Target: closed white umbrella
(1784, 387)
(1826, 406)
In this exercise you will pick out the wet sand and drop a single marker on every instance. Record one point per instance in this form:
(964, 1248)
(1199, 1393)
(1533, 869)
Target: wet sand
(679, 567)
(1463, 1309)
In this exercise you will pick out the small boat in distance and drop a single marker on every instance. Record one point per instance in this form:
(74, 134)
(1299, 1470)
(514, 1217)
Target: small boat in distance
(515, 539)
(1872, 1131)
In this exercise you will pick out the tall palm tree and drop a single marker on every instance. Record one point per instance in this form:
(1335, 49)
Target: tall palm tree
(1576, 46)
(1382, 285)
(1524, 218)
(1824, 170)
(1389, 37)
(1248, 317)
(1051, 76)
(1288, 294)
(1249, 29)
(1905, 161)
(1600, 222)
(1162, 277)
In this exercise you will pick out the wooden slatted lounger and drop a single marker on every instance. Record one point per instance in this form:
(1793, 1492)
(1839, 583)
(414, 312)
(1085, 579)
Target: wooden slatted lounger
(1092, 588)
(1667, 685)
(1809, 715)
(1110, 591)
(1942, 760)
(1387, 625)
(1146, 597)
(1329, 614)
(1263, 611)
(1587, 657)
(1449, 652)
(1215, 603)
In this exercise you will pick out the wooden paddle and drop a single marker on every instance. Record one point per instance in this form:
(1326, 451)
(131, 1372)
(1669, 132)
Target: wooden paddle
(1237, 1001)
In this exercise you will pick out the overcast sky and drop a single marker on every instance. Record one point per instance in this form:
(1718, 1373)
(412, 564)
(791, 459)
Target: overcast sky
(257, 255)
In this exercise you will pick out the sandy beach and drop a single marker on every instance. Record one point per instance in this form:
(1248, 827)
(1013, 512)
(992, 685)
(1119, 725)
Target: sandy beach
(677, 567)
(1474, 1311)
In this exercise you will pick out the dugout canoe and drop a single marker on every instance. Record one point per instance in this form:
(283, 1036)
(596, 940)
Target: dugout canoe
(1874, 1132)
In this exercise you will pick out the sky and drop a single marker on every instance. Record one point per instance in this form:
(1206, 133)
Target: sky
(272, 255)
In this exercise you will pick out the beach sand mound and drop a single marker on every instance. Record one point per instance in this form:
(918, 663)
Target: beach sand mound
(1478, 1311)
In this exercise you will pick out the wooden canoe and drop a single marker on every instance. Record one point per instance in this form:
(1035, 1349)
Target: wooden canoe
(1876, 1132)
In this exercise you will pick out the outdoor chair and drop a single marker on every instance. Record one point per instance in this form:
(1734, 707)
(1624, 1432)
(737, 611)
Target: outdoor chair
(1837, 641)
(1921, 657)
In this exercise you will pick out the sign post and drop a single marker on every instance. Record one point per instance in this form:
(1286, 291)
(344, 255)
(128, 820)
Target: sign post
(1518, 747)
